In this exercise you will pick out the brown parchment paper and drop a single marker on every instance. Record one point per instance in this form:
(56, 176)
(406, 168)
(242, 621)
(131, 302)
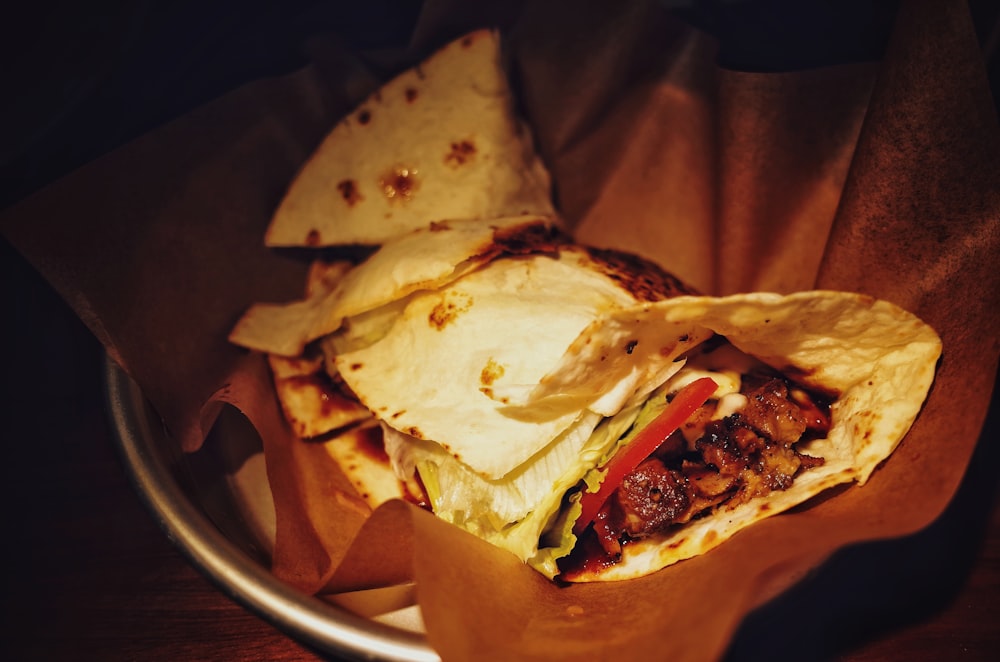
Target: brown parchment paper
(879, 178)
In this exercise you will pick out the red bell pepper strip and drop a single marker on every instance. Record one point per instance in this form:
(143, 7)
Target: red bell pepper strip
(684, 404)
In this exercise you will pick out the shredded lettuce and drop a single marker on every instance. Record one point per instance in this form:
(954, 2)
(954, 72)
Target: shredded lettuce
(558, 539)
(525, 506)
(527, 512)
(465, 496)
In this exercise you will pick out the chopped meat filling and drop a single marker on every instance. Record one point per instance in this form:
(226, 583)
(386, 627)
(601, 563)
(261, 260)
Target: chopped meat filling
(745, 455)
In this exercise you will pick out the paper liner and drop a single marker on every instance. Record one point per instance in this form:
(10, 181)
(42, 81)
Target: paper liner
(876, 178)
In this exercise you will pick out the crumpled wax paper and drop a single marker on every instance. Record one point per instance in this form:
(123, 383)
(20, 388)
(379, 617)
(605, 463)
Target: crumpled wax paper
(878, 178)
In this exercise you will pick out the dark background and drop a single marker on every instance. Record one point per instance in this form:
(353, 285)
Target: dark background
(78, 80)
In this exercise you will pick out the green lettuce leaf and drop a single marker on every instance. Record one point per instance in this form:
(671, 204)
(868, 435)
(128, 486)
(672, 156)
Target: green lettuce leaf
(514, 512)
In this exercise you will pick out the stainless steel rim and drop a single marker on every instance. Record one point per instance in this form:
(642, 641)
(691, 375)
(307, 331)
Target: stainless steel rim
(304, 617)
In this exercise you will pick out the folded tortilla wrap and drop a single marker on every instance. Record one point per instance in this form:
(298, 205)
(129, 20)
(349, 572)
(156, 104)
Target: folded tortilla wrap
(502, 389)
(440, 141)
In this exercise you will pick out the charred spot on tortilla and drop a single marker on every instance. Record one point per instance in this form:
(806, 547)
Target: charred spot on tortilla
(313, 238)
(349, 192)
(492, 371)
(630, 346)
(536, 237)
(314, 403)
(399, 183)
(460, 153)
(364, 116)
(411, 94)
(439, 226)
(448, 310)
(643, 279)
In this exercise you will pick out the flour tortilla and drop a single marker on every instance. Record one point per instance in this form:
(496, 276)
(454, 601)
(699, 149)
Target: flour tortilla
(513, 328)
(309, 399)
(358, 452)
(507, 323)
(498, 372)
(439, 142)
(879, 359)
(424, 258)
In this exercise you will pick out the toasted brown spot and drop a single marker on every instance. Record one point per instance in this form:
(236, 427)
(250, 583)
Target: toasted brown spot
(357, 366)
(764, 507)
(411, 94)
(445, 312)
(439, 226)
(398, 413)
(414, 431)
(467, 41)
(460, 153)
(492, 371)
(364, 116)
(643, 279)
(630, 346)
(314, 404)
(313, 238)
(533, 238)
(349, 192)
(710, 537)
(399, 184)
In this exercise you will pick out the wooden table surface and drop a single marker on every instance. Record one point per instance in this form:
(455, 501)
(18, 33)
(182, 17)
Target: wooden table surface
(88, 575)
